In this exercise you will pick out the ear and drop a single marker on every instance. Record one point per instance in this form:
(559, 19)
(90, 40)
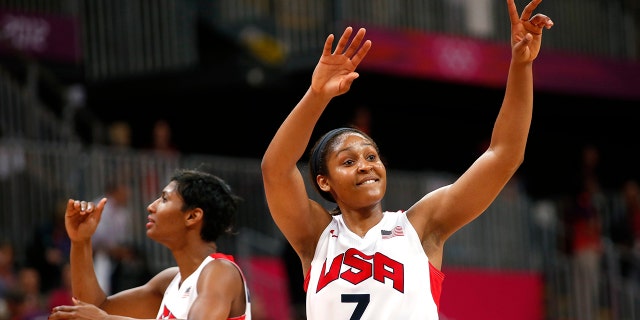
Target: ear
(323, 183)
(193, 216)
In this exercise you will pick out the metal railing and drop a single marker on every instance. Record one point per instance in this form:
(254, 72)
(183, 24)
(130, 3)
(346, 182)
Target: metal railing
(35, 177)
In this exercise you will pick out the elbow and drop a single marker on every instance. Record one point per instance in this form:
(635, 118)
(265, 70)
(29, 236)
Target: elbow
(267, 163)
(519, 161)
(270, 168)
(515, 163)
(509, 157)
(265, 170)
(510, 161)
(515, 160)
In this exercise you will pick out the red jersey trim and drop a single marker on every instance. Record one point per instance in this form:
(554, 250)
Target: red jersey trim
(436, 278)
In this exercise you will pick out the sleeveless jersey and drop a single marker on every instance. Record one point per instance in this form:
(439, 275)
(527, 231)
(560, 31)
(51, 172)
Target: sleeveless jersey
(178, 298)
(385, 275)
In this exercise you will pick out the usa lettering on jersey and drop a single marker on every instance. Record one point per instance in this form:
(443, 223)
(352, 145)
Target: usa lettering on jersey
(362, 267)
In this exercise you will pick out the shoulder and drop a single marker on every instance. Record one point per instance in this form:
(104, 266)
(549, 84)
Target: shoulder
(168, 273)
(222, 266)
(160, 282)
(221, 275)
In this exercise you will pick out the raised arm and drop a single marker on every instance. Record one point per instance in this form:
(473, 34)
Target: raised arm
(81, 221)
(446, 210)
(300, 219)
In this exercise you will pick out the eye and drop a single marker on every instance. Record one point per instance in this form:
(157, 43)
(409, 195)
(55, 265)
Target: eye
(372, 157)
(348, 162)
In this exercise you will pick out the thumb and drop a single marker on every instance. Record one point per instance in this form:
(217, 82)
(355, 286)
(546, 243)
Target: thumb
(77, 301)
(522, 46)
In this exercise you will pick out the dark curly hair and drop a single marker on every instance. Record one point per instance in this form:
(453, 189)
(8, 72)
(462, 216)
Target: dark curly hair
(200, 189)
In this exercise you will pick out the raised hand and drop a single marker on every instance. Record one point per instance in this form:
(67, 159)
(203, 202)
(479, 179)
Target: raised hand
(335, 71)
(526, 31)
(81, 218)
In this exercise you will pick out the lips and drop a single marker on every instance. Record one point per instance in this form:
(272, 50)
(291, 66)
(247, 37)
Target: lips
(150, 222)
(368, 181)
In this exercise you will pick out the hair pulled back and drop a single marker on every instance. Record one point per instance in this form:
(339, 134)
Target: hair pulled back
(319, 152)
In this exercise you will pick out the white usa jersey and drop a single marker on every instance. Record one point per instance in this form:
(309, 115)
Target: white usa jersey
(178, 298)
(385, 275)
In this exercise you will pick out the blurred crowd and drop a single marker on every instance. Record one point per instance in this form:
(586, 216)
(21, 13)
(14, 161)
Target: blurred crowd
(600, 235)
(29, 289)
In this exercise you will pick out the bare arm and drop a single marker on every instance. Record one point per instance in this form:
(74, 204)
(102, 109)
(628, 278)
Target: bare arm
(81, 221)
(300, 219)
(221, 292)
(137, 303)
(439, 214)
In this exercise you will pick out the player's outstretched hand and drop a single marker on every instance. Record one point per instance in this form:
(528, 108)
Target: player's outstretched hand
(335, 71)
(526, 31)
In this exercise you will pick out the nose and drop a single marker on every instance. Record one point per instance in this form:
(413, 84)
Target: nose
(152, 206)
(365, 166)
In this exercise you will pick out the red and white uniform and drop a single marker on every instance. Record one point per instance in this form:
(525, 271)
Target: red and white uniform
(385, 275)
(178, 298)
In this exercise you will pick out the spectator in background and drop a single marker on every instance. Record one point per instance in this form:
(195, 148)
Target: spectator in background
(114, 235)
(362, 119)
(162, 138)
(61, 295)
(8, 267)
(625, 232)
(14, 305)
(48, 250)
(119, 135)
(8, 279)
(34, 303)
(586, 236)
(130, 269)
(161, 145)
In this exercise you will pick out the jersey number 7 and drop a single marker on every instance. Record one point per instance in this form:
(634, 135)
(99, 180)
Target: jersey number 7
(361, 300)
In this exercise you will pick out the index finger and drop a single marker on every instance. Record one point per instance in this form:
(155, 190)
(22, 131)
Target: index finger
(513, 11)
(528, 10)
(328, 43)
(73, 205)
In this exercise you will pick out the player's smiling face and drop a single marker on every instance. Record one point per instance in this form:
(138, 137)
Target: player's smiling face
(357, 176)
